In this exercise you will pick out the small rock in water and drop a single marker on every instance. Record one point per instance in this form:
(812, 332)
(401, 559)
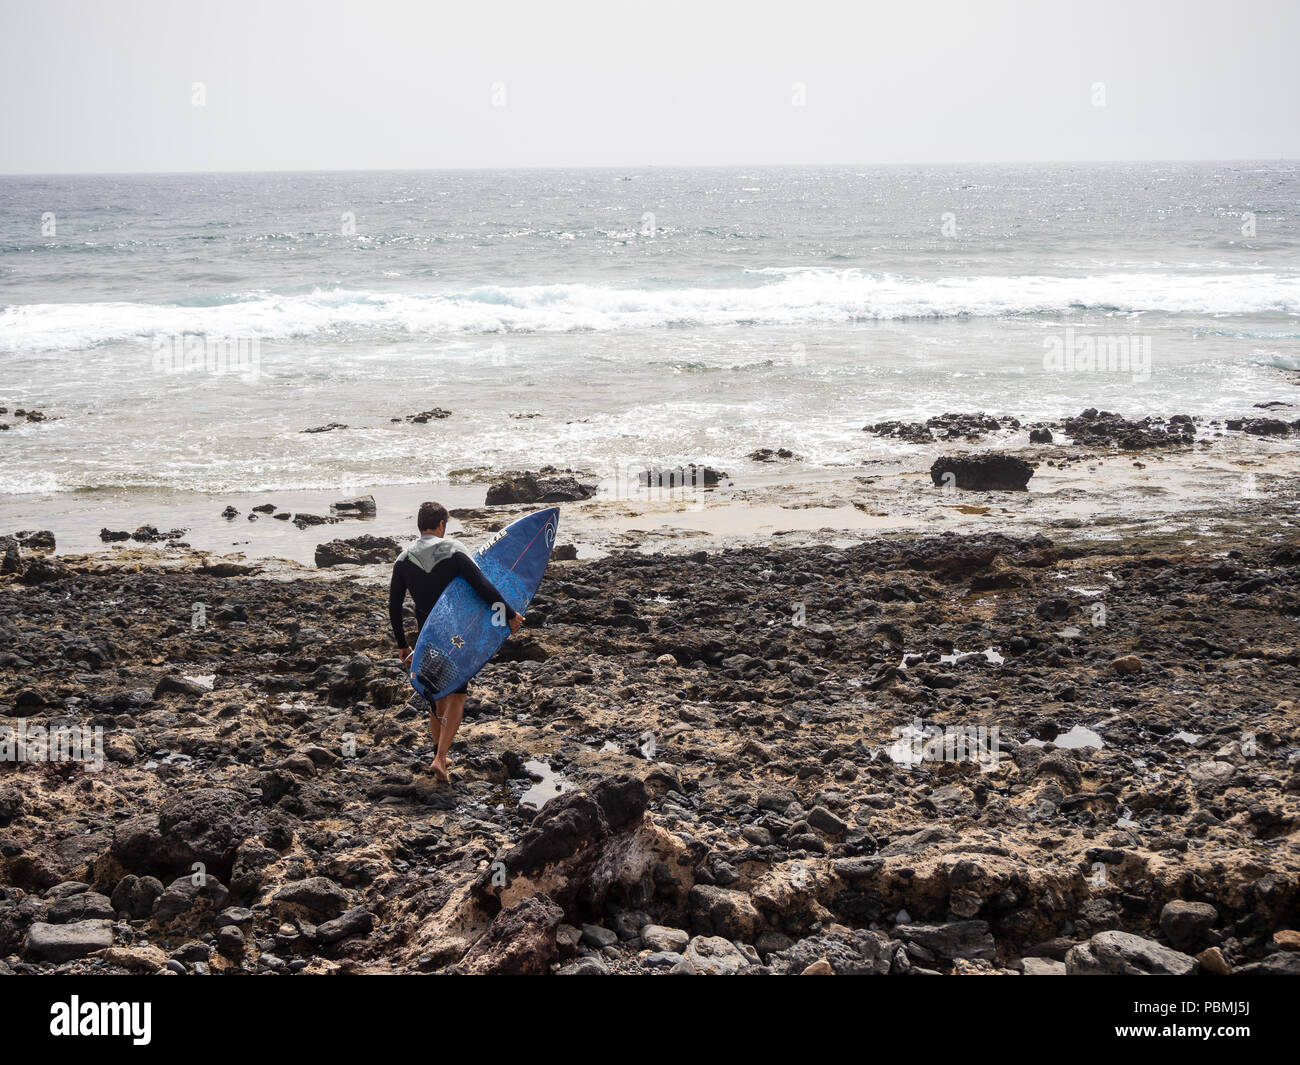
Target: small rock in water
(361, 507)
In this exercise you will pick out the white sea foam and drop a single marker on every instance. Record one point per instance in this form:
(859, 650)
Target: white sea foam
(790, 297)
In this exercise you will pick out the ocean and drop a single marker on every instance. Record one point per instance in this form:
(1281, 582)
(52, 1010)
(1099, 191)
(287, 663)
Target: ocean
(180, 331)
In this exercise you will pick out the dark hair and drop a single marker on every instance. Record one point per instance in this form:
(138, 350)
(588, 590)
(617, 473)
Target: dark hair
(430, 517)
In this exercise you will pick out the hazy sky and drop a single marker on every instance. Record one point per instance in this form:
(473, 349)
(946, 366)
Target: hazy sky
(327, 84)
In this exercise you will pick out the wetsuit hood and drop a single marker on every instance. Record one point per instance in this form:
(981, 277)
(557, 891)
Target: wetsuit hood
(429, 550)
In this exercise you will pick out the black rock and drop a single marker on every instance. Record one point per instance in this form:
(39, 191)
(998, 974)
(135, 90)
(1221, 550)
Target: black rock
(535, 488)
(988, 472)
(358, 551)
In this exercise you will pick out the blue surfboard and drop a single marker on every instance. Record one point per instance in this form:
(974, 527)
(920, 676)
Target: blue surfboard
(458, 637)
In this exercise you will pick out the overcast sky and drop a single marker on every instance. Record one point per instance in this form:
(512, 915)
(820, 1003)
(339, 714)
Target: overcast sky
(327, 84)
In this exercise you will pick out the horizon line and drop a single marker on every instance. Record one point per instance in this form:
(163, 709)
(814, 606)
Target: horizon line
(634, 169)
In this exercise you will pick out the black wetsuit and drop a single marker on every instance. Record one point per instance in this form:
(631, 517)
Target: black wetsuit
(425, 588)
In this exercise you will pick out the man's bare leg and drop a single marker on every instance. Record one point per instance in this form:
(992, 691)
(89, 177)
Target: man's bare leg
(435, 726)
(449, 710)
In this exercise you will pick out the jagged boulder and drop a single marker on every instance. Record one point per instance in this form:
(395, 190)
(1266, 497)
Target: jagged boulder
(520, 941)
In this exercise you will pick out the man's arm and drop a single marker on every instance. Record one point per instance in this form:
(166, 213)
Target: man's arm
(396, 597)
(465, 567)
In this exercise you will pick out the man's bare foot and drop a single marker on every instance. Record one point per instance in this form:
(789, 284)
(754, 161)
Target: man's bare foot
(439, 769)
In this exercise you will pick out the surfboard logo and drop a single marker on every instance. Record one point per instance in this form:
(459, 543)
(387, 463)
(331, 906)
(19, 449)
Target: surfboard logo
(457, 642)
(549, 533)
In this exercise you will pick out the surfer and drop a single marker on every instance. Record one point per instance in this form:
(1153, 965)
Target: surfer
(425, 569)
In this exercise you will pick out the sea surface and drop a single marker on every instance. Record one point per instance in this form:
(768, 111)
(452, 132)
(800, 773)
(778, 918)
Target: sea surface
(181, 331)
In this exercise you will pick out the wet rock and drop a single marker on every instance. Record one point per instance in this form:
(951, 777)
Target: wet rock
(361, 507)
(357, 551)
(1114, 952)
(943, 427)
(1105, 429)
(227, 569)
(38, 541)
(1040, 436)
(691, 476)
(306, 521)
(987, 472)
(1260, 426)
(149, 534)
(534, 488)
(767, 454)
(424, 416)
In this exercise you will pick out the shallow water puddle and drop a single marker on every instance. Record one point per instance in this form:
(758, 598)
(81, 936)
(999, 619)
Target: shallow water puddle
(548, 784)
(903, 751)
(913, 657)
(1079, 736)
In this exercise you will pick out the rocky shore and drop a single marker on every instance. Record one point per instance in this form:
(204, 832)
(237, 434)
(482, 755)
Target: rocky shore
(948, 754)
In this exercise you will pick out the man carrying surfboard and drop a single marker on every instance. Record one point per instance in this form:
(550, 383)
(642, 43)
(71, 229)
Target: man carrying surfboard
(425, 569)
